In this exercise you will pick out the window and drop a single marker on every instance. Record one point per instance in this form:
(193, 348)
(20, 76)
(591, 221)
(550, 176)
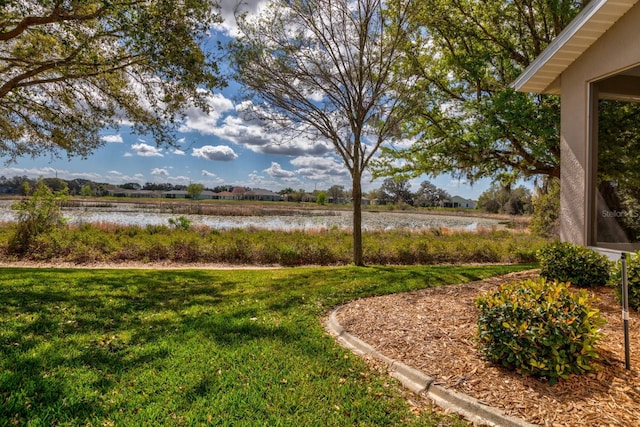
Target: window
(616, 146)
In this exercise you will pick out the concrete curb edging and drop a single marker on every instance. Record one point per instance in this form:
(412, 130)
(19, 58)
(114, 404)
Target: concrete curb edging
(413, 379)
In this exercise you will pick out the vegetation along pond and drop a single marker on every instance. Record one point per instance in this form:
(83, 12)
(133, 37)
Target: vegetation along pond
(284, 218)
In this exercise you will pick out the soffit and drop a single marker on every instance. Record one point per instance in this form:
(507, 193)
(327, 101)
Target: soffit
(587, 27)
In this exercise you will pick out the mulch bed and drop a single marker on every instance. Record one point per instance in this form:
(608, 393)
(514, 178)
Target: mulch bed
(433, 330)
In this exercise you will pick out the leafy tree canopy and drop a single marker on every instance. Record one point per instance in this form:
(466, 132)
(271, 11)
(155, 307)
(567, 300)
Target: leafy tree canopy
(70, 69)
(506, 200)
(195, 190)
(428, 195)
(335, 192)
(471, 122)
(396, 191)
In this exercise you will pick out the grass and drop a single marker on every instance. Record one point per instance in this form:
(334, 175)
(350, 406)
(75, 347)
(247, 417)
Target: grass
(91, 243)
(197, 347)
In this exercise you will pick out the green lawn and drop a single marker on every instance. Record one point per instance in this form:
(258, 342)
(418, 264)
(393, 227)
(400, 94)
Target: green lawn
(197, 347)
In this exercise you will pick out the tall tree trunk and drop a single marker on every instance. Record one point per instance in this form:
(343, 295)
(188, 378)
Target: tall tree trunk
(357, 217)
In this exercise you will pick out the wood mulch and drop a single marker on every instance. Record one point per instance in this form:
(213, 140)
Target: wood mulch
(433, 330)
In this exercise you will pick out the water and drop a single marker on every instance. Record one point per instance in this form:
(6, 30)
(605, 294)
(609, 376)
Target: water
(130, 214)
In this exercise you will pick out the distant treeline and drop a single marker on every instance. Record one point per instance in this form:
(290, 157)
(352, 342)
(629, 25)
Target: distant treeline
(78, 186)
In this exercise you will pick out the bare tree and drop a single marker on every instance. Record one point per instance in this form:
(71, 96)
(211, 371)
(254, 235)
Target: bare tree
(326, 67)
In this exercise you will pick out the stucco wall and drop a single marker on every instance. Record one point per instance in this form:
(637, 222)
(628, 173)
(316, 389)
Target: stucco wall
(615, 51)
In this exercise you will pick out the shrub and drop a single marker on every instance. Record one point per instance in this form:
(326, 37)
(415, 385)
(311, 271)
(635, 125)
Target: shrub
(546, 210)
(38, 214)
(180, 223)
(186, 249)
(152, 229)
(539, 328)
(633, 280)
(289, 256)
(566, 262)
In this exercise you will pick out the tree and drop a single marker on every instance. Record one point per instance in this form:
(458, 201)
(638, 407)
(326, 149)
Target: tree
(155, 186)
(86, 191)
(335, 193)
(321, 198)
(292, 195)
(429, 195)
(326, 68)
(285, 191)
(471, 122)
(55, 184)
(505, 200)
(73, 68)
(75, 185)
(194, 190)
(376, 196)
(131, 186)
(396, 191)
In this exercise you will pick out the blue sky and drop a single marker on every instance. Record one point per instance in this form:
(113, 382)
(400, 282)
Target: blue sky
(221, 147)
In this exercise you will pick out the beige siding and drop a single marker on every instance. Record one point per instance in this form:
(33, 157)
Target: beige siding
(617, 50)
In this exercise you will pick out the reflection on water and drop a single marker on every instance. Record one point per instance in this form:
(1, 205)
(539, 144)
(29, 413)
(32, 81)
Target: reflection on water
(127, 215)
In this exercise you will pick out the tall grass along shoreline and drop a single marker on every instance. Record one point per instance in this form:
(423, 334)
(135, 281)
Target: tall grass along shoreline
(182, 243)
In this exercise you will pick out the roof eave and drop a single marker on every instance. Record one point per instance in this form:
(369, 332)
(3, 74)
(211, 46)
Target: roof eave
(542, 75)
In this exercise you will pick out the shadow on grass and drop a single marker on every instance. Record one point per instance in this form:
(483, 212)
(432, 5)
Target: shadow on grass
(76, 338)
(80, 345)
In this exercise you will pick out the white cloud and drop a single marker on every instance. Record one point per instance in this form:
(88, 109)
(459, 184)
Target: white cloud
(208, 174)
(117, 177)
(127, 154)
(146, 150)
(113, 138)
(276, 171)
(229, 8)
(257, 180)
(218, 152)
(318, 163)
(254, 135)
(49, 172)
(112, 176)
(160, 172)
(178, 152)
(204, 123)
(457, 182)
(181, 179)
(325, 169)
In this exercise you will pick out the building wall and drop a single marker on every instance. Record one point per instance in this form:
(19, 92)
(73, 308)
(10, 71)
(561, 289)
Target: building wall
(615, 51)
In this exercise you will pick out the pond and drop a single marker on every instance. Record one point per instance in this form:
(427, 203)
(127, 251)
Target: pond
(137, 214)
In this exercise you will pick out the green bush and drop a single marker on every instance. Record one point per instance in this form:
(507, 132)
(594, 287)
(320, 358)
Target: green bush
(546, 210)
(578, 265)
(289, 256)
(180, 223)
(633, 280)
(539, 328)
(38, 214)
